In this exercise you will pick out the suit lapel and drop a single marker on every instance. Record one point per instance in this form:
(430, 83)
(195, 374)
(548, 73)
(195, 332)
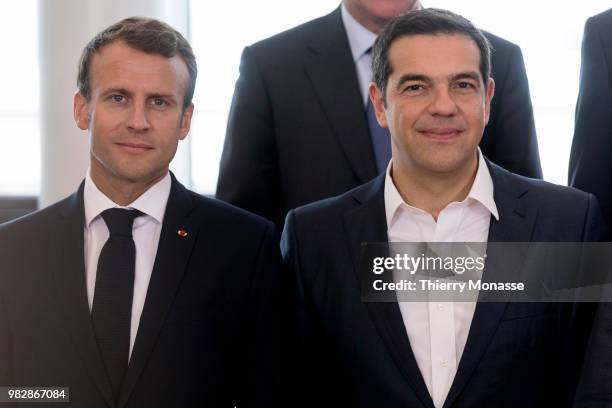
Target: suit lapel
(69, 277)
(516, 224)
(171, 261)
(331, 70)
(367, 223)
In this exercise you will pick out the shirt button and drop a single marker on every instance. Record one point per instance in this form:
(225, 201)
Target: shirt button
(440, 307)
(444, 363)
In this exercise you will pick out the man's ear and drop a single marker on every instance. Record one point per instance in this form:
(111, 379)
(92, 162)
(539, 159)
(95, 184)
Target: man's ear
(185, 124)
(81, 111)
(489, 98)
(378, 102)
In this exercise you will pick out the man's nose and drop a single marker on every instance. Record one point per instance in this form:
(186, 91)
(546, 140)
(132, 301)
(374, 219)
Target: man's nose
(442, 103)
(138, 120)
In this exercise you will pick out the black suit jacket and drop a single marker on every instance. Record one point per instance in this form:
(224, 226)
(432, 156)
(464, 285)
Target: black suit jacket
(297, 129)
(208, 334)
(590, 170)
(590, 167)
(516, 355)
(595, 389)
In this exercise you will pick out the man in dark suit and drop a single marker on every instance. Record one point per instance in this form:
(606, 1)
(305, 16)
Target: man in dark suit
(433, 91)
(300, 127)
(590, 167)
(134, 291)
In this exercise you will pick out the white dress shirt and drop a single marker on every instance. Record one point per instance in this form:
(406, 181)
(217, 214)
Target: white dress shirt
(438, 331)
(146, 231)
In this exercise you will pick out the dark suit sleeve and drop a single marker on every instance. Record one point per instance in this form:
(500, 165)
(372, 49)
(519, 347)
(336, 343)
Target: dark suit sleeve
(316, 380)
(595, 386)
(590, 170)
(5, 348)
(595, 229)
(511, 134)
(266, 330)
(301, 317)
(590, 167)
(595, 389)
(249, 174)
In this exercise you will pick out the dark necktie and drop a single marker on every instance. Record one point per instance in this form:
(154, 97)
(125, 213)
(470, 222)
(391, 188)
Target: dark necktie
(112, 304)
(381, 138)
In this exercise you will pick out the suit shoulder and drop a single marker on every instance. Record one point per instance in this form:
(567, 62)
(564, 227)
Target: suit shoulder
(334, 207)
(229, 215)
(34, 230)
(564, 213)
(557, 194)
(543, 194)
(294, 38)
(603, 20)
(500, 45)
(33, 221)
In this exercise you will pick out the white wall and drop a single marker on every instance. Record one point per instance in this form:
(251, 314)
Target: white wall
(65, 28)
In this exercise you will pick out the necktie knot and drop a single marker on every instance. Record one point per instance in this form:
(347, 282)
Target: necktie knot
(120, 221)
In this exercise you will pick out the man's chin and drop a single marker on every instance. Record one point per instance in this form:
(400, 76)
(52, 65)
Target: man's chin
(445, 165)
(139, 176)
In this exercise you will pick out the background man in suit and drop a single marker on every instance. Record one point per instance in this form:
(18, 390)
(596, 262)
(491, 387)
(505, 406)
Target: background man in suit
(433, 92)
(590, 167)
(134, 291)
(300, 127)
(590, 170)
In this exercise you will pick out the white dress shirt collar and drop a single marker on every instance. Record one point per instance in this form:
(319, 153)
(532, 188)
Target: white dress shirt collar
(360, 38)
(481, 192)
(152, 202)
(146, 234)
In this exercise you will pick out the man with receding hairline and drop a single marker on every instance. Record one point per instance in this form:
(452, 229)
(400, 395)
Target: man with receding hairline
(134, 291)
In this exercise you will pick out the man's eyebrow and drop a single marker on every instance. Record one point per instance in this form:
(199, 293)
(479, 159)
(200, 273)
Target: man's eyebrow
(124, 91)
(116, 90)
(161, 95)
(467, 75)
(412, 77)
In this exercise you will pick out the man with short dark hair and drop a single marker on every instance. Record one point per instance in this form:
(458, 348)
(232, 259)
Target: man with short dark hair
(147, 35)
(301, 128)
(134, 291)
(433, 92)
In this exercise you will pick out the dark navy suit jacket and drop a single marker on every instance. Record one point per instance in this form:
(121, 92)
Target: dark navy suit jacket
(356, 354)
(209, 331)
(590, 167)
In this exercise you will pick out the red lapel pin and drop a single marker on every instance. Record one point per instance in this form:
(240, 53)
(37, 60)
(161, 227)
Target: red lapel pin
(182, 233)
